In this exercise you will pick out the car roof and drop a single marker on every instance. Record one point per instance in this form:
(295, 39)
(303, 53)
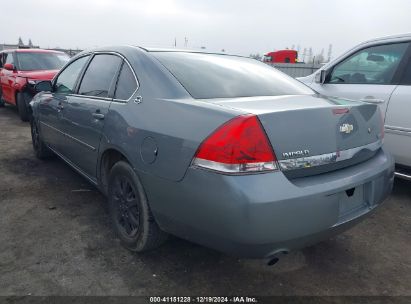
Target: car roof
(175, 50)
(149, 49)
(127, 48)
(390, 37)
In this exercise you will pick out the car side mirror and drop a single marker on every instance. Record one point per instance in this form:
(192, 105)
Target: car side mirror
(321, 76)
(43, 86)
(9, 66)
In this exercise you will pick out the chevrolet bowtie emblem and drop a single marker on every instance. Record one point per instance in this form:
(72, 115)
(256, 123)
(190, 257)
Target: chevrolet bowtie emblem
(346, 128)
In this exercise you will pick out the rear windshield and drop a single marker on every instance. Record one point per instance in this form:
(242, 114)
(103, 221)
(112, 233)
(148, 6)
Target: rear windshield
(41, 61)
(221, 76)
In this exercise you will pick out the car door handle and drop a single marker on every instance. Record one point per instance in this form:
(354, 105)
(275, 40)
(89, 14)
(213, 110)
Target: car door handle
(371, 99)
(98, 115)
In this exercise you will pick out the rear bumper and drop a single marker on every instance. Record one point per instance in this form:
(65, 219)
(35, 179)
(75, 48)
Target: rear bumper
(259, 215)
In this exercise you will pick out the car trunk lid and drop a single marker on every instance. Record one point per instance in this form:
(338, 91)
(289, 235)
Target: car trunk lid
(312, 134)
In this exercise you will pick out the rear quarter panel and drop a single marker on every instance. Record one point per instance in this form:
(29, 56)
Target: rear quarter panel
(172, 129)
(168, 122)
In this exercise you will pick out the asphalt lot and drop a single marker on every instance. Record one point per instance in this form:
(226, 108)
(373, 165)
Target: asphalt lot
(56, 239)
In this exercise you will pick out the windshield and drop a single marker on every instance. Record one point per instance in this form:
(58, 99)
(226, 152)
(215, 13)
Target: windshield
(221, 76)
(41, 61)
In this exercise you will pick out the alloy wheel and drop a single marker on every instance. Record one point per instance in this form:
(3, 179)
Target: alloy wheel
(126, 207)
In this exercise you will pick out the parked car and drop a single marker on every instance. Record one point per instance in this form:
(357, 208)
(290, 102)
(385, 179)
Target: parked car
(20, 69)
(379, 72)
(221, 150)
(281, 56)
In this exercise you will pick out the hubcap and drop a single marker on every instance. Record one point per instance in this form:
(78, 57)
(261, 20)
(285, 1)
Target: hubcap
(127, 215)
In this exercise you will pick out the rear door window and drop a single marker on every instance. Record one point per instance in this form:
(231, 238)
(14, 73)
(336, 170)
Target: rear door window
(373, 65)
(100, 75)
(66, 81)
(126, 84)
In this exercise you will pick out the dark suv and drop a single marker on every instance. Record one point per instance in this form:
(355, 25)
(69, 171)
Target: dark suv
(20, 70)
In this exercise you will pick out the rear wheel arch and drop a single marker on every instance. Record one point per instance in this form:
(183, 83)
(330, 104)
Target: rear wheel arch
(131, 216)
(108, 159)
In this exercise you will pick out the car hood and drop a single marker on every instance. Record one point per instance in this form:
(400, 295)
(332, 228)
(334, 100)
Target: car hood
(40, 75)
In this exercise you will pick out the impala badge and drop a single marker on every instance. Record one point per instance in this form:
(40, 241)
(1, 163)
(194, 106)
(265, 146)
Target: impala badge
(299, 153)
(346, 128)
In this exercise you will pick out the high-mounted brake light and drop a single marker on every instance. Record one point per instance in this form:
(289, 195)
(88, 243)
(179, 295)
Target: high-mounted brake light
(238, 146)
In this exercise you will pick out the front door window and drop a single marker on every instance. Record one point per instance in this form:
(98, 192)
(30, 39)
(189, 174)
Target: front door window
(373, 65)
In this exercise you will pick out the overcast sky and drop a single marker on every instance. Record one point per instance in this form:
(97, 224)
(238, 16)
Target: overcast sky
(238, 26)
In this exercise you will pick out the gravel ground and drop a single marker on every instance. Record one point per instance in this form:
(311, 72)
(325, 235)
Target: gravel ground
(56, 239)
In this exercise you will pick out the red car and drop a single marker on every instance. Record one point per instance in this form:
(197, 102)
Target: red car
(20, 70)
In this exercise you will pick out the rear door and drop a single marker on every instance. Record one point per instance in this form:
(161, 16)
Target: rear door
(85, 112)
(369, 75)
(398, 120)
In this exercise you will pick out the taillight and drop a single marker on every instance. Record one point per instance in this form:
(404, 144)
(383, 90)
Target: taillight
(238, 146)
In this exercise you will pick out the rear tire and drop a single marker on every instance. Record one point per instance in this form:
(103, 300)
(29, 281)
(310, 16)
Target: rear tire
(40, 149)
(22, 106)
(130, 213)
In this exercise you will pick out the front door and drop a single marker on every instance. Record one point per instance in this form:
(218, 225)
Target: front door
(55, 103)
(398, 121)
(85, 113)
(368, 75)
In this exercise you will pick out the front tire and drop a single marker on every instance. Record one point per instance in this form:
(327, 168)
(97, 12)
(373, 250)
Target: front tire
(130, 214)
(39, 147)
(22, 106)
(1, 100)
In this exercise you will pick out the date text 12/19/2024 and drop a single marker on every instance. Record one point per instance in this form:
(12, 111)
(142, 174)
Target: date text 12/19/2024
(203, 299)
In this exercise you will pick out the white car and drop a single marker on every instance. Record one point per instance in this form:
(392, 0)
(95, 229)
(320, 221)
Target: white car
(376, 71)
